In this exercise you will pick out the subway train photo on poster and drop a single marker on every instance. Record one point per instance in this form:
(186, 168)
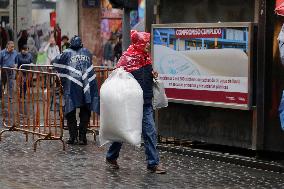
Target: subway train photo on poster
(207, 65)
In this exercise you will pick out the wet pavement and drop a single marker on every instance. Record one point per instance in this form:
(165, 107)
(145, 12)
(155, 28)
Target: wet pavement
(83, 167)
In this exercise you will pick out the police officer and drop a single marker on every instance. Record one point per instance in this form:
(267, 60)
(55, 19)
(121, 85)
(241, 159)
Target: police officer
(76, 71)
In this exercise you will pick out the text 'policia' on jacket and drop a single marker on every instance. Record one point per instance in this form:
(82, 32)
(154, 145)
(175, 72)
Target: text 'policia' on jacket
(76, 71)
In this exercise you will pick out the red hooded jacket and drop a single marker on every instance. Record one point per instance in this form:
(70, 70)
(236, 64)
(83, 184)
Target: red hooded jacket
(137, 61)
(135, 56)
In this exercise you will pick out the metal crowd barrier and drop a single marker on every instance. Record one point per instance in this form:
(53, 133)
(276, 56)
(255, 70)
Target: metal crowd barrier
(102, 73)
(42, 68)
(42, 74)
(38, 67)
(32, 103)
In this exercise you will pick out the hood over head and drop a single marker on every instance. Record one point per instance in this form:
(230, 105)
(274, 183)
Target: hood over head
(140, 39)
(76, 43)
(136, 57)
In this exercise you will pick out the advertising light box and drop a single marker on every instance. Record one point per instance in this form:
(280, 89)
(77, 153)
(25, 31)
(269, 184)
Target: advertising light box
(205, 64)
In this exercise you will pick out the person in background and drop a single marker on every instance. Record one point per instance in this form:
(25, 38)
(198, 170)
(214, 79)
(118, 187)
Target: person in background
(57, 36)
(8, 59)
(0, 39)
(108, 53)
(74, 67)
(24, 57)
(38, 37)
(51, 49)
(65, 41)
(32, 49)
(137, 61)
(4, 38)
(23, 39)
(118, 49)
(9, 32)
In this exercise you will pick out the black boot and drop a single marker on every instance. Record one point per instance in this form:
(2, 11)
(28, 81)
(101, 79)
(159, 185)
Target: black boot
(72, 126)
(85, 115)
(82, 138)
(72, 141)
(83, 142)
(73, 133)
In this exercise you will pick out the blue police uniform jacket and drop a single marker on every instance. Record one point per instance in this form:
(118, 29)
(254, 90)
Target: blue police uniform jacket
(78, 79)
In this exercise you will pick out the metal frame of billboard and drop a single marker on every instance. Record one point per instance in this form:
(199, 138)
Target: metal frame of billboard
(249, 25)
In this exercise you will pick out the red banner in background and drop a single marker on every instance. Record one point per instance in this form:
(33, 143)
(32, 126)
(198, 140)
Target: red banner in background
(198, 33)
(52, 19)
(208, 96)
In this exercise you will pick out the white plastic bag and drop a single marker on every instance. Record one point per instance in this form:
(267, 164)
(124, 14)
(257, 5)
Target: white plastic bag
(160, 99)
(281, 111)
(121, 109)
(281, 44)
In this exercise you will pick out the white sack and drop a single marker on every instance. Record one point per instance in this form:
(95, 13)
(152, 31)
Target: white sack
(281, 44)
(121, 109)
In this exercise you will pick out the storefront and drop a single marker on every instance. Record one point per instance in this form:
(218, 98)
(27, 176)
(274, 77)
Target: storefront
(111, 21)
(220, 63)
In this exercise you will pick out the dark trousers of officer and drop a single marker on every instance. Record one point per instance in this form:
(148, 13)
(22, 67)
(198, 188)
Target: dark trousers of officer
(84, 115)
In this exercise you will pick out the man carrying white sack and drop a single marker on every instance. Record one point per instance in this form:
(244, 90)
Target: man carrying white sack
(76, 71)
(137, 61)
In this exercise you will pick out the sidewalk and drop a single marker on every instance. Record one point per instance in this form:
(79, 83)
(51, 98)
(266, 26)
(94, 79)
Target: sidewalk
(274, 165)
(83, 167)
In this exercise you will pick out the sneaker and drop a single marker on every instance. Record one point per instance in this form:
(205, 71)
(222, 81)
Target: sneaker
(158, 169)
(112, 164)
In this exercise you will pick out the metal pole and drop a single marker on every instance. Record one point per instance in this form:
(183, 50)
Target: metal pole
(126, 29)
(150, 13)
(263, 73)
(15, 11)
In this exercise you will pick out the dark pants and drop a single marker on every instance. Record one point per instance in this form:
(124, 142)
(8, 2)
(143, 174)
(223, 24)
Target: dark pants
(7, 76)
(23, 89)
(85, 115)
(150, 139)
